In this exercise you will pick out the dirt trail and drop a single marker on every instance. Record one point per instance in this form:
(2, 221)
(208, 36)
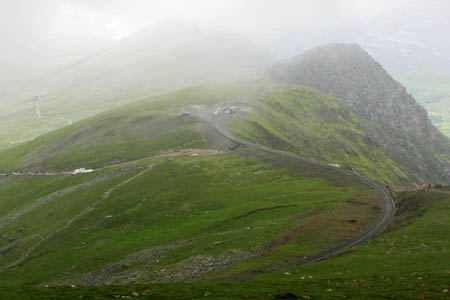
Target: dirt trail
(169, 153)
(4, 220)
(88, 209)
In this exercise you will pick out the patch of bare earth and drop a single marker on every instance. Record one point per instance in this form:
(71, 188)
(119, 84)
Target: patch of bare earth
(124, 270)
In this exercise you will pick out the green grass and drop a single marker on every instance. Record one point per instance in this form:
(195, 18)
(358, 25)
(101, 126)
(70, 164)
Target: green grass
(132, 131)
(221, 217)
(197, 206)
(304, 121)
(35, 187)
(292, 118)
(408, 263)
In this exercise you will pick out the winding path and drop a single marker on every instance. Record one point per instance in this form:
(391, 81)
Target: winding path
(389, 205)
(218, 120)
(162, 154)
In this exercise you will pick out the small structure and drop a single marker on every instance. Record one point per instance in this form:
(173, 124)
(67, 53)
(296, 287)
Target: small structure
(231, 110)
(82, 171)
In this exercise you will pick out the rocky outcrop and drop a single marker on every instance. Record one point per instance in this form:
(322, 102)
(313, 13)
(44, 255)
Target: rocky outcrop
(389, 115)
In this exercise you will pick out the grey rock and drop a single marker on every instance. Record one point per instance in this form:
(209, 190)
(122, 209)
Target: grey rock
(390, 116)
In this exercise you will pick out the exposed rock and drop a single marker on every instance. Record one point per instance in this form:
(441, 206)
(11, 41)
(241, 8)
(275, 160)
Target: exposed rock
(389, 115)
(117, 272)
(198, 266)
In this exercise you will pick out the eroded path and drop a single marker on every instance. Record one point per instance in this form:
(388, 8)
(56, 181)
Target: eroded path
(105, 196)
(11, 217)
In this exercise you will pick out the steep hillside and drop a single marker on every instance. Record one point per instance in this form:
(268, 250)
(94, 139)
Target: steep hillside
(129, 132)
(176, 218)
(391, 117)
(166, 205)
(307, 122)
(289, 117)
(157, 210)
(162, 58)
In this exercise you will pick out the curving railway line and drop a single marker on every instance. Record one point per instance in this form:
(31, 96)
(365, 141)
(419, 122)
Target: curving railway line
(218, 120)
(389, 205)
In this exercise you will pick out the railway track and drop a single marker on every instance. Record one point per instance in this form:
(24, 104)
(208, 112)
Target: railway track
(380, 226)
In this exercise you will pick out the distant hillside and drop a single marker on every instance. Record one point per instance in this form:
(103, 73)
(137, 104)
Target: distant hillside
(391, 116)
(28, 59)
(432, 89)
(164, 57)
(132, 131)
(439, 113)
(425, 85)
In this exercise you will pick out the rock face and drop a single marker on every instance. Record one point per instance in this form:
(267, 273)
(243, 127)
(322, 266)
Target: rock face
(389, 115)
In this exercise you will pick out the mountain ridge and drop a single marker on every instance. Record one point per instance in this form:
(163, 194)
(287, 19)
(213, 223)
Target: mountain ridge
(394, 119)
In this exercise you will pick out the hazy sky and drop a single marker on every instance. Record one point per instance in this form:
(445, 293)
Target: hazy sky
(117, 18)
(281, 27)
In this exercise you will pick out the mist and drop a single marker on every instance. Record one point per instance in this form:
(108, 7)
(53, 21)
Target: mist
(42, 37)
(282, 28)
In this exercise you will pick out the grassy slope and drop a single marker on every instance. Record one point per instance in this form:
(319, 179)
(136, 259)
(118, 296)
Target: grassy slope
(409, 263)
(191, 202)
(297, 119)
(197, 197)
(132, 131)
(304, 121)
(35, 187)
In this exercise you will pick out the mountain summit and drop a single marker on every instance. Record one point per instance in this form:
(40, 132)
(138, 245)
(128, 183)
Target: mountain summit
(391, 116)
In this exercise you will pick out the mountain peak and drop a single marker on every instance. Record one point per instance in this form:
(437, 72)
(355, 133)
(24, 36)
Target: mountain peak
(395, 120)
(343, 47)
(341, 63)
(336, 52)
